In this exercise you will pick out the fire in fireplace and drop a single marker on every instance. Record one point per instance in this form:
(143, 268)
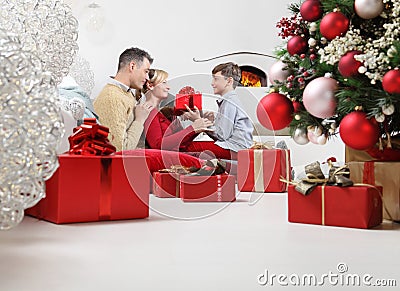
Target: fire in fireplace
(253, 77)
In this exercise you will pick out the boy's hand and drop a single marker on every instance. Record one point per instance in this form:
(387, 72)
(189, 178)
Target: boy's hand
(209, 115)
(191, 115)
(201, 124)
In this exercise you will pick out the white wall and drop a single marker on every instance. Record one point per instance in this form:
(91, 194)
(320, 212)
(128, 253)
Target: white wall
(175, 31)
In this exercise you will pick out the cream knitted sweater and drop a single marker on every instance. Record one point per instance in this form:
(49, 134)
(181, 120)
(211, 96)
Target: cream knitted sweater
(115, 108)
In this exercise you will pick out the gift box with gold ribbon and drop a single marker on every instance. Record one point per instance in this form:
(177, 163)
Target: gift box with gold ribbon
(165, 185)
(260, 169)
(355, 206)
(384, 174)
(335, 200)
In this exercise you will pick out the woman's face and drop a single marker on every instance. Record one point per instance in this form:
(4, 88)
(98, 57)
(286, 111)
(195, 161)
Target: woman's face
(161, 90)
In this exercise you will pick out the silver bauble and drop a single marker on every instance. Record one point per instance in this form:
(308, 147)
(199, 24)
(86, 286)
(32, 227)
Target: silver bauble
(300, 136)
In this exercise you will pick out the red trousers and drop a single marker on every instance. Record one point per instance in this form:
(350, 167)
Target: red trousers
(210, 146)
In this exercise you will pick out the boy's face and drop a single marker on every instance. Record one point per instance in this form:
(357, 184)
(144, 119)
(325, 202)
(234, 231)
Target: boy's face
(220, 84)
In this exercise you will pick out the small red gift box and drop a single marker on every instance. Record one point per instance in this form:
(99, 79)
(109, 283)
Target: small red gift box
(357, 207)
(191, 100)
(165, 185)
(260, 170)
(95, 188)
(219, 188)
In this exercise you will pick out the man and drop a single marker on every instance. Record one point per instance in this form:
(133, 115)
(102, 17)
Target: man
(116, 104)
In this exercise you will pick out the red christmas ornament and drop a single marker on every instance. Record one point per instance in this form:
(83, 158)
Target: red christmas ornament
(391, 82)
(297, 106)
(274, 111)
(297, 45)
(334, 24)
(358, 132)
(348, 66)
(311, 10)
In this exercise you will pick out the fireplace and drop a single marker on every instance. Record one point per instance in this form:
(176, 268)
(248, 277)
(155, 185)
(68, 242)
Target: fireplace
(253, 77)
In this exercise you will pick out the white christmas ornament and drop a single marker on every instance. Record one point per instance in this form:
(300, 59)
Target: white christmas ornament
(388, 109)
(368, 9)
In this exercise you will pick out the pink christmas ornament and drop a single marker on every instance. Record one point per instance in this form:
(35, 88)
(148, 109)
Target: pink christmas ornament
(277, 72)
(319, 97)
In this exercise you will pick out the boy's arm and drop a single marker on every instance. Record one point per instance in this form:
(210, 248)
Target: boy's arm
(225, 121)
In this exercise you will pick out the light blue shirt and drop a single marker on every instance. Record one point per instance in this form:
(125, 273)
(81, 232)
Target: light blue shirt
(233, 128)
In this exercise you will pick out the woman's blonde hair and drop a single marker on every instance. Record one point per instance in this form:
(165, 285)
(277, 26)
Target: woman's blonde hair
(156, 76)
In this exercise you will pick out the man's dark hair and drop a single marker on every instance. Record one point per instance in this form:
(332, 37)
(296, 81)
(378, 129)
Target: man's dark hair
(229, 70)
(133, 54)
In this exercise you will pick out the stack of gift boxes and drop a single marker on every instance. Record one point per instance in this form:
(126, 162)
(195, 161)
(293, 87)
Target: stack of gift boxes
(93, 184)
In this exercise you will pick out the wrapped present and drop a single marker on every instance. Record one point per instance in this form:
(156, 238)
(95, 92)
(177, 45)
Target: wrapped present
(218, 188)
(357, 207)
(165, 185)
(260, 170)
(90, 138)
(94, 188)
(187, 97)
(384, 174)
(334, 200)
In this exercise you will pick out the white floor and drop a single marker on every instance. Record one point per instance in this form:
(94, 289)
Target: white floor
(228, 249)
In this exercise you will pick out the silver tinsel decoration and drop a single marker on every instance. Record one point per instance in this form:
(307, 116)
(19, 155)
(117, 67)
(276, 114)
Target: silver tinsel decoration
(31, 127)
(83, 74)
(46, 27)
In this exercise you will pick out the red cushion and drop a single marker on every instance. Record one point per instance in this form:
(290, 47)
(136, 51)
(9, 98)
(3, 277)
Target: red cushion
(160, 159)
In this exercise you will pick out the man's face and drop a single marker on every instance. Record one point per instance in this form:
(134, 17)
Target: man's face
(219, 83)
(140, 74)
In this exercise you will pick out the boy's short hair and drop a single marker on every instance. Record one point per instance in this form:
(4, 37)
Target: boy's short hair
(133, 54)
(229, 70)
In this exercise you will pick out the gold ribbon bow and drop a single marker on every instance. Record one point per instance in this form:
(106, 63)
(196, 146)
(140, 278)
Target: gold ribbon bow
(338, 176)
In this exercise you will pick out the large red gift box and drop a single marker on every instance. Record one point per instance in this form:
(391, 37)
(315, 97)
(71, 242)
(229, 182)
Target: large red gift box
(358, 207)
(95, 188)
(219, 188)
(165, 185)
(191, 100)
(260, 170)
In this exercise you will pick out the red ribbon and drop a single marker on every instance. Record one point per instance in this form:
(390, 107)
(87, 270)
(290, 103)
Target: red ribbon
(90, 139)
(369, 173)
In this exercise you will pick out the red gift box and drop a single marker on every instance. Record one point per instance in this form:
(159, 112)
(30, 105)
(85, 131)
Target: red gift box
(95, 188)
(358, 207)
(260, 170)
(165, 185)
(191, 100)
(219, 188)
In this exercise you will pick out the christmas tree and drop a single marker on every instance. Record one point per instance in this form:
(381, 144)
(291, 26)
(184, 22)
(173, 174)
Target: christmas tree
(337, 73)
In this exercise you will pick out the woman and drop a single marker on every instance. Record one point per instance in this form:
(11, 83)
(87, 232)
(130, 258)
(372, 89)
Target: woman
(161, 132)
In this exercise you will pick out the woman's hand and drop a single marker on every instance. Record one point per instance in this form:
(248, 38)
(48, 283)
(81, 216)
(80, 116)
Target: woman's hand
(191, 115)
(201, 124)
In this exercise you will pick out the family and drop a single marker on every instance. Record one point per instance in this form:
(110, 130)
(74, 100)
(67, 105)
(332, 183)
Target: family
(129, 105)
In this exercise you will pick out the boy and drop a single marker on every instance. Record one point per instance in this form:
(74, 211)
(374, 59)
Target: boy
(233, 128)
